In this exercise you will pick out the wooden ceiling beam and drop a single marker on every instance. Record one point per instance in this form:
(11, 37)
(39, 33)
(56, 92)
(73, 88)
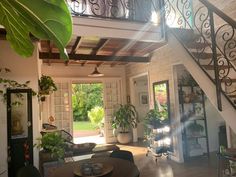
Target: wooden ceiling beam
(99, 46)
(103, 58)
(49, 45)
(76, 45)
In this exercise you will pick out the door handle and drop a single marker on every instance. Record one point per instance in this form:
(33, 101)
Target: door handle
(29, 124)
(9, 154)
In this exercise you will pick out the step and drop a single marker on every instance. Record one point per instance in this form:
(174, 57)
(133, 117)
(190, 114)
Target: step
(196, 45)
(211, 67)
(203, 56)
(186, 35)
(231, 96)
(231, 80)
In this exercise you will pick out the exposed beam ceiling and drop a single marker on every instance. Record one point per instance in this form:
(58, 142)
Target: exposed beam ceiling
(92, 50)
(44, 55)
(76, 45)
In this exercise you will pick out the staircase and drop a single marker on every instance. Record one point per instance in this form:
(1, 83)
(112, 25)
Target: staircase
(209, 36)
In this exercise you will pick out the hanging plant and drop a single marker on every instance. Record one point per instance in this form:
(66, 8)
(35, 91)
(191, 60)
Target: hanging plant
(46, 85)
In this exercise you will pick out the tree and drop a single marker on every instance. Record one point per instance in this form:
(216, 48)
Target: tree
(49, 20)
(84, 98)
(96, 116)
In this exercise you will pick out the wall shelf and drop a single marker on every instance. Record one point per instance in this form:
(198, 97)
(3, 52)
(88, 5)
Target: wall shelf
(193, 114)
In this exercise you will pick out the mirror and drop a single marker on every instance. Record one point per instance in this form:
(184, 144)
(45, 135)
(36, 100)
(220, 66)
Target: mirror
(161, 98)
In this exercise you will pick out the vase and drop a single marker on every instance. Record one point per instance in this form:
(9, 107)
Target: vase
(124, 137)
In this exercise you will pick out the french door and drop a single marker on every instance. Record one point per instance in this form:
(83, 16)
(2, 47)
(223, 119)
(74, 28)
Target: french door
(112, 98)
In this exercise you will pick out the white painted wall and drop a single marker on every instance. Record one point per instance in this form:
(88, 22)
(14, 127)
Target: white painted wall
(77, 72)
(22, 69)
(214, 120)
(140, 86)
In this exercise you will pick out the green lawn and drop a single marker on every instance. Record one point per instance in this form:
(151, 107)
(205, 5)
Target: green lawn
(83, 125)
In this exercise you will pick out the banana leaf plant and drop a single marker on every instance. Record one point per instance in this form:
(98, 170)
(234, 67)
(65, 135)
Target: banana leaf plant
(44, 19)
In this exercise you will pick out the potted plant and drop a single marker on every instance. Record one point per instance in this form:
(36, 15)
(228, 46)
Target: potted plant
(125, 117)
(155, 118)
(46, 86)
(195, 129)
(52, 144)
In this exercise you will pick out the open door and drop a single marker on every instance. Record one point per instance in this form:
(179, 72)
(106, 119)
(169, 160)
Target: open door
(112, 97)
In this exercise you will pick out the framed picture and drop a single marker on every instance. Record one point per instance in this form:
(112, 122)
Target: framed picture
(143, 98)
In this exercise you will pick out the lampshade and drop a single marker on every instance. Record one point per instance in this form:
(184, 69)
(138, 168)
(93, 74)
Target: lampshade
(95, 73)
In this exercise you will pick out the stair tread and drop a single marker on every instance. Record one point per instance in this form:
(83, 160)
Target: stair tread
(205, 55)
(211, 67)
(186, 35)
(225, 80)
(196, 45)
(202, 55)
(232, 96)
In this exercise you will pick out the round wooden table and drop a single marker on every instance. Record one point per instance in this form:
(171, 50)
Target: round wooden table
(122, 168)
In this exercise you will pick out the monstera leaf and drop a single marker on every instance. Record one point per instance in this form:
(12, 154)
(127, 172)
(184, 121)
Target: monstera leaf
(45, 19)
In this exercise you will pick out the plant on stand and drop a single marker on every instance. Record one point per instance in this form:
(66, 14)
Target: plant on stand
(125, 118)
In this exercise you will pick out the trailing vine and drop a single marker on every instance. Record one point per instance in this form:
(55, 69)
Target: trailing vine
(9, 83)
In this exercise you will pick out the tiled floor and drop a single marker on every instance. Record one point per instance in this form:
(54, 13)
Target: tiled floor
(199, 167)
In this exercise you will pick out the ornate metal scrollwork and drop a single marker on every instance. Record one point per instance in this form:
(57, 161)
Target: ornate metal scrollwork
(137, 10)
(170, 13)
(202, 22)
(222, 42)
(184, 7)
(77, 7)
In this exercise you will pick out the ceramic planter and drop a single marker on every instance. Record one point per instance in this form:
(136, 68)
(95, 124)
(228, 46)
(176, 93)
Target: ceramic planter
(124, 137)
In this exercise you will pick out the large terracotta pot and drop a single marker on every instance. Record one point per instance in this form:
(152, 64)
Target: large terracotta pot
(124, 137)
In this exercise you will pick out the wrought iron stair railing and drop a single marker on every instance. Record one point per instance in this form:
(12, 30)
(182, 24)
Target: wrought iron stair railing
(209, 37)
